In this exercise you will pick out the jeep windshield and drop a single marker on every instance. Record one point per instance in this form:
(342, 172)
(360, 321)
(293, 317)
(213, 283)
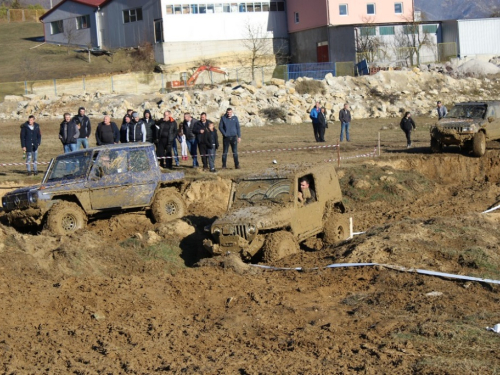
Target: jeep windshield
(69, 167)
(467, 111)
(262, 191)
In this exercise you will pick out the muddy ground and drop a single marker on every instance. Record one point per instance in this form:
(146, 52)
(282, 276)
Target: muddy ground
(129, 296)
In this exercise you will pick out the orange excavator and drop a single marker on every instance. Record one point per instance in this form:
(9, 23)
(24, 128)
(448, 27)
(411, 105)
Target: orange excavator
(192, 80)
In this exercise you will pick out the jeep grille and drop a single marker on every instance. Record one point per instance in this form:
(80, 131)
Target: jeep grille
(241, 230)
(15, 201)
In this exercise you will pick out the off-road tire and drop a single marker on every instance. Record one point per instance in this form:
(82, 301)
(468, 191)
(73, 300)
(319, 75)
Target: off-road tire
(479, 144)
(336, 229)
(279, 245)
(436, 146)
(65, 218)
(168, 206)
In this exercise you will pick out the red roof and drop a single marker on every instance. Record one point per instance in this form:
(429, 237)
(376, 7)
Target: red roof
(91, 3)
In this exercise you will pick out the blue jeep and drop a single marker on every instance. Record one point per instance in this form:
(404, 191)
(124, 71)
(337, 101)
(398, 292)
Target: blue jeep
(101, 180)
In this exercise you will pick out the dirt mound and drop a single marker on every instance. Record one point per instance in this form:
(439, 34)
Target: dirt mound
(208, 197)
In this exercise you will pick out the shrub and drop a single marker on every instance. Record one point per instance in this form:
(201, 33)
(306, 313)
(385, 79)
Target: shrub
(144, 58)
(273, 113)
(311, 87)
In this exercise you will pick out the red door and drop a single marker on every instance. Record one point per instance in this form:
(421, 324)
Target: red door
(322, 52)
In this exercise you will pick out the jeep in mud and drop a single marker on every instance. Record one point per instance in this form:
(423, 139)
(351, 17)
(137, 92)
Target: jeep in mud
(101, 180)
(264, 212)
(468, 125)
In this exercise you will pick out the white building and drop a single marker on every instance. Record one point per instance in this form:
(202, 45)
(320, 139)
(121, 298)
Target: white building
(180, 32)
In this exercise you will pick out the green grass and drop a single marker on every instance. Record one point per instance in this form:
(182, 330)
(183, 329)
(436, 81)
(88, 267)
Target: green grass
(19, 61)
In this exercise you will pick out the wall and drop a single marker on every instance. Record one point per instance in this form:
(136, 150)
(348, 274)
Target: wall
(384, 12)
(303, 44)
(342, 44)
(479, 37)
(312, 14)
(115, 33)
(68, 13)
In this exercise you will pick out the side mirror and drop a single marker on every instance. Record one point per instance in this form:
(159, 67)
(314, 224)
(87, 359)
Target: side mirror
(490, 119)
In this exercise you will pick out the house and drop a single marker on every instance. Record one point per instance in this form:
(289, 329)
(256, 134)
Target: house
(181, 32)
(332, 30)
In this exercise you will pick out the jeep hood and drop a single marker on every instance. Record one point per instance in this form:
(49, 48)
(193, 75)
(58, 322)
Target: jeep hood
(262, 216)
(456, 122)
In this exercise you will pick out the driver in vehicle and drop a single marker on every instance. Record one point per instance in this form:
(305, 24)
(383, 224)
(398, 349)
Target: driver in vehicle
(306, 194)
(109, 164)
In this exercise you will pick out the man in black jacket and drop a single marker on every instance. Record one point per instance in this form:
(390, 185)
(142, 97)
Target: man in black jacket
(107, 132)
(69, 133)
(198, 130)
(31, 138)
(192, 142)
(166, 133)
(345, 121)
(85, 129)
(149, 123)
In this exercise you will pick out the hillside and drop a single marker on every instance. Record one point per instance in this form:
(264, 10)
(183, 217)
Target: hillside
(441, 10)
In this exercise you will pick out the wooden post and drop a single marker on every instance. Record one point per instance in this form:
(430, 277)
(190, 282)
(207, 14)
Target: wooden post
(338, 153)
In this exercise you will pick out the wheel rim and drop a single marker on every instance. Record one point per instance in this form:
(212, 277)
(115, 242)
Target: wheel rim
(171, 208)
(69, 223)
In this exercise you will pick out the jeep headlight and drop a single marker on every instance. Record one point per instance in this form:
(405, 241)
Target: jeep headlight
(252, 229)
(469, 128)
(33, 197)
(216, 231)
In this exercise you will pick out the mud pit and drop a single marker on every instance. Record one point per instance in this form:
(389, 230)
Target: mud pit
(122, 297)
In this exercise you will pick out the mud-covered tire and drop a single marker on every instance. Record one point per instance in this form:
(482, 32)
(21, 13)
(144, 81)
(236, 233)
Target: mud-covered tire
(65, 218)
(479, 144)
(168, 206)
(336, 229)
(436, 146)
(279, 245)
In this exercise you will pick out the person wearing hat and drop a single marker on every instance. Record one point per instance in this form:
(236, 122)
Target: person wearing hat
(85, 129)
(136, 129)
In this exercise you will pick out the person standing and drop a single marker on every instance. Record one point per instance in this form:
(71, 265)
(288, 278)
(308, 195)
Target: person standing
(149, 123)
(31, 138)
(167, 131)
(323, 124)
(181, 138)
(136, 129)
(107, 132)
(441, 110)
(229, 126)
(124, 128)
(69, 133)
(191, 141)
(313, 115)
(345, 121)
(407, 125)
(211, 142)
(85, 129)
(129, 113)
(198, 130)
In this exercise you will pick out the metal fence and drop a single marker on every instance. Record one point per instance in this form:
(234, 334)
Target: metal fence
(21, 15)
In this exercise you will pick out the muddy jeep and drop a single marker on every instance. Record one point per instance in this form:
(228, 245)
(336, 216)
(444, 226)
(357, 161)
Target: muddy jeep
(264, 212)
(468, 125)
(104, 180)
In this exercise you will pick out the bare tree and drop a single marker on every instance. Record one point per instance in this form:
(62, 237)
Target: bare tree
(262, 50)
(410, 41)
(30, 69)
(368, 46)
(69, 32)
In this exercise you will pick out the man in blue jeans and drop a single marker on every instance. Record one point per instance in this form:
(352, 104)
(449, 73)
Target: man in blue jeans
(69, 133)
(229, 126)
(85, 129)
(345, 120)
(191, 141)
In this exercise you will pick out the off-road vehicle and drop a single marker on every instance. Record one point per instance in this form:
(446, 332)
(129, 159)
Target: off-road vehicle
(264, 212)
(101, 180)
(468, 125)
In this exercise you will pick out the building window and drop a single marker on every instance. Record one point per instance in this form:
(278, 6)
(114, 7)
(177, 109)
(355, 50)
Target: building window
(266, 6)
(159, 31)
(343, 9)
(194, 8)
(257, 7)
(250, 7)
(386, 30)
(56, 27)
(210, 8)
(83, 22)
(410, 29)
(132, 15)
(370, 8)
(368, 31)
(398, 8)
(227, 8)
(277, 6)
(296, 17)
(429, 29)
